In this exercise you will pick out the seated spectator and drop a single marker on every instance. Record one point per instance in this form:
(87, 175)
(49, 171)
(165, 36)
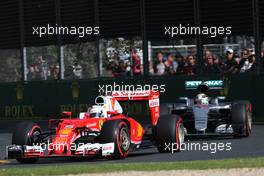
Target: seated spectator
(136, 63)
(211, 66)
(122, 68)
(54, 71)
(180, 63)
(114, 66)
(190, 68)
(249, 65)
(207, 53)
(151, 67)
(68, 73)
(245, 53)
(170, 65)
(159, 66)
(218, 63)
(77, 71)
(244, 56)
(231, 66)
(262, 60)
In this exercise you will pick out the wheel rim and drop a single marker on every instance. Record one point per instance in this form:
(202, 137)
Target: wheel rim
(124, 139)
(181, 134)
(34, 137)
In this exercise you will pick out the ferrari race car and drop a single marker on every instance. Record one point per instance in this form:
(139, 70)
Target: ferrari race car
(113, 127)
(205, 116)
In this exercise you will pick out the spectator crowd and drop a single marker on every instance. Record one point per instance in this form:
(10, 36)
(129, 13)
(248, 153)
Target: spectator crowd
(163, 64)
(131, 66)
(230, 63)
(43, 70)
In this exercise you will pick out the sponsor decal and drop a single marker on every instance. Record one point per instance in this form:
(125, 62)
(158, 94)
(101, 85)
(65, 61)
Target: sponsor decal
(18, 111)
(108, 149)
(19, 92)
(91, 125)
(75, 90)
(131, 93)
(154, 103)
(212, 84)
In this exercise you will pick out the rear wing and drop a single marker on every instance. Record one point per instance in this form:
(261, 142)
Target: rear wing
(134, 98)
(212, 84)
(136, 95)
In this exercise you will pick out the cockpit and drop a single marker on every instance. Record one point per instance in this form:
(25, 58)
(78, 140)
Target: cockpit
(202, 98)
(104, 107)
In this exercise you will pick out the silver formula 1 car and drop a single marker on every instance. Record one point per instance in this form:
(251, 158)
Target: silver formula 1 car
(207, 116)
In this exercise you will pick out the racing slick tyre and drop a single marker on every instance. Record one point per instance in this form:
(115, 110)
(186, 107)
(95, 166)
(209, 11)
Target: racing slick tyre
(242, 118)
(117, 132)
(26, 133)
(169, 133)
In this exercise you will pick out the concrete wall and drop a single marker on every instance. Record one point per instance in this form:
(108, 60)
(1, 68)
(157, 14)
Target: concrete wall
(36, 100)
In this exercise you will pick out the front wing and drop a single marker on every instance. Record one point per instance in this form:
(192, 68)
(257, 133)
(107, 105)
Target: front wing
(25, 151)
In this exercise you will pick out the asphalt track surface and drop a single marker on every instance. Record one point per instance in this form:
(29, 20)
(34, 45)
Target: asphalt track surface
(252, 146)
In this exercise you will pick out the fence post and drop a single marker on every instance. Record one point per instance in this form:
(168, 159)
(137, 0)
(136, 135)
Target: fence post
(199, 44)
(144, 38)
(22, 43)
(97, 39)
(257, 34)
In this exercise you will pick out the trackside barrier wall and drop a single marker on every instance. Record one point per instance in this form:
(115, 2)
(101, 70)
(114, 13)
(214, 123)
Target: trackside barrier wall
(41, 100)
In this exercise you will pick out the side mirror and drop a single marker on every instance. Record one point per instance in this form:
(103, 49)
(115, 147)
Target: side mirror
(186, 99)
(66, 114)
(83, 115)
(112, 112)
(221, 98)
(183, 98)
(216, 100)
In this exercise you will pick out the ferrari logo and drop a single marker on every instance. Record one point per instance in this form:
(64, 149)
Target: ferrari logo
(101, 124)
(113, 103)
(139, 131)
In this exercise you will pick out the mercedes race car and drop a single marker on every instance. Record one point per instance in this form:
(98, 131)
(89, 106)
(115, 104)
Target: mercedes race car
(211, 116)
(113, 127)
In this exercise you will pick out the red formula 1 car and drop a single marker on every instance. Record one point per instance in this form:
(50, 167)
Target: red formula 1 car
(113, 127)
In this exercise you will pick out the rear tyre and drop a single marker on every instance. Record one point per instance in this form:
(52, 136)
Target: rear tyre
(169, 133)
(116, 131)
(26, 133)
(242, 118)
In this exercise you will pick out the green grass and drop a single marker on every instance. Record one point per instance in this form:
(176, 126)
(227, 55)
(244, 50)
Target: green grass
(103, 168)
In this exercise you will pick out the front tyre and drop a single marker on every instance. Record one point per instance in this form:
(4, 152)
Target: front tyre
(26, 133)
(116, 131)
(169, 133)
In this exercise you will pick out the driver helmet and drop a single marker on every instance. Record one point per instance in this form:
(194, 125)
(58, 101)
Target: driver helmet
(97, 111)
(202, 99)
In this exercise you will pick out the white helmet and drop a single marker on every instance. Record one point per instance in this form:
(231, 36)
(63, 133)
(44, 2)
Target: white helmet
(97, 112)
(202, 99)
